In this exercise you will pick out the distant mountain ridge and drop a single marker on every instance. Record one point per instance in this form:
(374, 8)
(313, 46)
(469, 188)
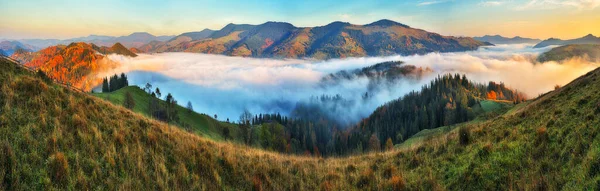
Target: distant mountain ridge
(497, 39)
(133, 40)
(588, 39)
(9, 47)
(335, 40)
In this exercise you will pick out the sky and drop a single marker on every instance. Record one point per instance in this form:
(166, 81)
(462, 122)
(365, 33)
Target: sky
(76, 18)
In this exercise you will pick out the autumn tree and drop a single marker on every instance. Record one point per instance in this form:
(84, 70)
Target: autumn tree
(129, 102)
(374, 143)
(492, 95)
(389, 145)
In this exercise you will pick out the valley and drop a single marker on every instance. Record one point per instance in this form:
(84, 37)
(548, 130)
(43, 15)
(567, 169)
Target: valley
(300, 95)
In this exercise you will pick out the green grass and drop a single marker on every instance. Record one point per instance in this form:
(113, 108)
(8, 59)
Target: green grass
(200, 123)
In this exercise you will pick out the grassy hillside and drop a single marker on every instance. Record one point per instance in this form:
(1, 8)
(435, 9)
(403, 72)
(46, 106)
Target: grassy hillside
(199, 123)
(52, 138)
(589, 51)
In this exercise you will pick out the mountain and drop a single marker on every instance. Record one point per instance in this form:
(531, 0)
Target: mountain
(9, 47)
(497, 39)
(195, 35)
(590, 52)
(133, 40)
(335, 40)
(135, 50)
(117, 48)
(588, 39)
(76, 64)
(75, 140)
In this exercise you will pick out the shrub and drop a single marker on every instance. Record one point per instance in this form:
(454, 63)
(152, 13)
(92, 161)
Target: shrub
(594, 168)
(389, 171)
(542, 135)
(464, 136)
(366, 178)
(59, 167)
(256, 183)
(8, 179)
(351, 168)
(397, 183)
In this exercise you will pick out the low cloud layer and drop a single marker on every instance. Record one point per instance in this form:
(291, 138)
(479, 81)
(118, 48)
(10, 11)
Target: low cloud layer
(226, 86)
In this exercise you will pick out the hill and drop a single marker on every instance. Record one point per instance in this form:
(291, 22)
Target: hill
(201, 124)
(589, 39)
(54, 138)
(497, 39)
(76, 64)
(335, 40)
(590, 52)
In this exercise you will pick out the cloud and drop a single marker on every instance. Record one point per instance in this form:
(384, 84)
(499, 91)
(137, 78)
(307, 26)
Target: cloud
(345, 16)
(555, 4)
(491, 3)
(425, 3)
(224, 85)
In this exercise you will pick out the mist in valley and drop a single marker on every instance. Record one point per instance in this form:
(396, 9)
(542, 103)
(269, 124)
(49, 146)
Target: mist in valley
(227, 86)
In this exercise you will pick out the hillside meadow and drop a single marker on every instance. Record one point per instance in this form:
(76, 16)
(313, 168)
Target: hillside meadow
(52, 138)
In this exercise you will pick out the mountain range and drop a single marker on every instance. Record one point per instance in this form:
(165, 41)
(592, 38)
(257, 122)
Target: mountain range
(9, 47)
(497, 39)
(133, 40)
(335, 40)
(588, 39)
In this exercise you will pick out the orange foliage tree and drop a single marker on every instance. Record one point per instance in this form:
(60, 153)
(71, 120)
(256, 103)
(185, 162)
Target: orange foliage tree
(492, 95)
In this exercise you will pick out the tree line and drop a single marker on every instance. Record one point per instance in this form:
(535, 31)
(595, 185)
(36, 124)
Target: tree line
(447, 100)
(114, 83)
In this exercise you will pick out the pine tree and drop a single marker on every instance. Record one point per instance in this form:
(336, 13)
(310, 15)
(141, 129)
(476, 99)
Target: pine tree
(105, 87)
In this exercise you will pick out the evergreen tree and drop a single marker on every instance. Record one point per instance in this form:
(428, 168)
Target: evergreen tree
(105, 87)
(189, 107)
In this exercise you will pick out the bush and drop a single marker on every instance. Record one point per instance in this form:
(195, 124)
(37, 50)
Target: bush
(256, 183)
(397, 183)
(464, 136)
(542, 135)
(366, 178)
(59, 167)
(389, 171)
(8, 179)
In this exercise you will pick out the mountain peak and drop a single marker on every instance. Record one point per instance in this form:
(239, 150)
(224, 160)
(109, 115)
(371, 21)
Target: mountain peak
(589, 36)
(141, 33)
(118, 45)
(386, 23)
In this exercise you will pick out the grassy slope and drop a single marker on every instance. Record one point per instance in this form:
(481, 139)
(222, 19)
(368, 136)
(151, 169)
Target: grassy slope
(52, 138)
(200, 123)
(591, 51)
